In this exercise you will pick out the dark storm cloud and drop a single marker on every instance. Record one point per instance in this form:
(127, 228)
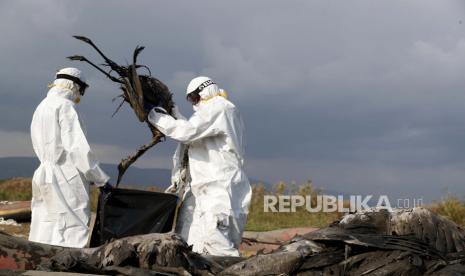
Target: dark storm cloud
(358, 95)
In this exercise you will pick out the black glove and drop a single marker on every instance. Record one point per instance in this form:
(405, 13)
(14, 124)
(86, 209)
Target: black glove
(160, 109)
(148, 107)
(107, 188)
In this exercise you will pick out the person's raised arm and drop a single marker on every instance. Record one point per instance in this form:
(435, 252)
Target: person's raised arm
(200, 125)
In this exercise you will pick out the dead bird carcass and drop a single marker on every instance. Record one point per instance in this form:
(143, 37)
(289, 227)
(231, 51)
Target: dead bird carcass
(137, 91)
(373, 242)
(404, 242)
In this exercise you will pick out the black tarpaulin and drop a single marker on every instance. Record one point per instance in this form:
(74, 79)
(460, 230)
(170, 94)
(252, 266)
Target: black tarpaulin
(123, 213)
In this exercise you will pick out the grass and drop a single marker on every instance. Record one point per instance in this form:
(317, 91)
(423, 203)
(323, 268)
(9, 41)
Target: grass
(15, 189)
(258, 220)
(451, 207)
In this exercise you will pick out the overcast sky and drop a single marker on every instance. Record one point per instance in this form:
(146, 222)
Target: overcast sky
(360, 96)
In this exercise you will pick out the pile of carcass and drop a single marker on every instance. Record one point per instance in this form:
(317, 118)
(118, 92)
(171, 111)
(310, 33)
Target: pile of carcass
(377, 242)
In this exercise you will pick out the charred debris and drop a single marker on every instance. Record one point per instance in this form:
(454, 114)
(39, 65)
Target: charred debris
(403, 242)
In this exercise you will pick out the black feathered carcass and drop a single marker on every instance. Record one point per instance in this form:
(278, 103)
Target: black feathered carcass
(138, 90)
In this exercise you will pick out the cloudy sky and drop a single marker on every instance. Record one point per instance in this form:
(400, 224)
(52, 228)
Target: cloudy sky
(360, 96)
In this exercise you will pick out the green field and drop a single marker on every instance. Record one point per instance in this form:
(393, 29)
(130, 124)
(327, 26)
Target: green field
(258, 220)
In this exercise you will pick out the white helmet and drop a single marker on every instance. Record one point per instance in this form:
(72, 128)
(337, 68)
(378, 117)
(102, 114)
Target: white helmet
(74, 75)
(198, 84)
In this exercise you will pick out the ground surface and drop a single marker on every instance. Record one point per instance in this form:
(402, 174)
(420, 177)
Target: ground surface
(20, 231)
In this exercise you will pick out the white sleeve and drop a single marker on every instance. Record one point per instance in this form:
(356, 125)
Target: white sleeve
(75, 143)
(198, 126)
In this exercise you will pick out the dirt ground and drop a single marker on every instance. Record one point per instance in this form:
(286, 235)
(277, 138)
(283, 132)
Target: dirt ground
(20, 231)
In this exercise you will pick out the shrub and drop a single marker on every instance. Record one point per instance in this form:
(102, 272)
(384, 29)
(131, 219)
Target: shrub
(451, 207)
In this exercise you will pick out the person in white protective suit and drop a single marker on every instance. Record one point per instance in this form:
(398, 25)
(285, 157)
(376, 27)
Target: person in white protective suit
(217, 197)
(60, 185)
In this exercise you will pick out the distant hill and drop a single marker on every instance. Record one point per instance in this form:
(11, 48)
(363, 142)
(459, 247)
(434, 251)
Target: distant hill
(142, 178)
(25, 166)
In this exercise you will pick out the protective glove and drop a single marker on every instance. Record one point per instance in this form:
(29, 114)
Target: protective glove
(106, 189)
(148, 107)
(171, 189)
(177, 114)
(160, 109)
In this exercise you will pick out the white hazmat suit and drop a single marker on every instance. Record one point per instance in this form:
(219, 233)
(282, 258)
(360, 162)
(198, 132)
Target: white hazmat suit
(60, 186)
(215, 208)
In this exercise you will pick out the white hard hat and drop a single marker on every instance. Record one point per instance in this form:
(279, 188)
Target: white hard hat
(198, 84)
(75, 75)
